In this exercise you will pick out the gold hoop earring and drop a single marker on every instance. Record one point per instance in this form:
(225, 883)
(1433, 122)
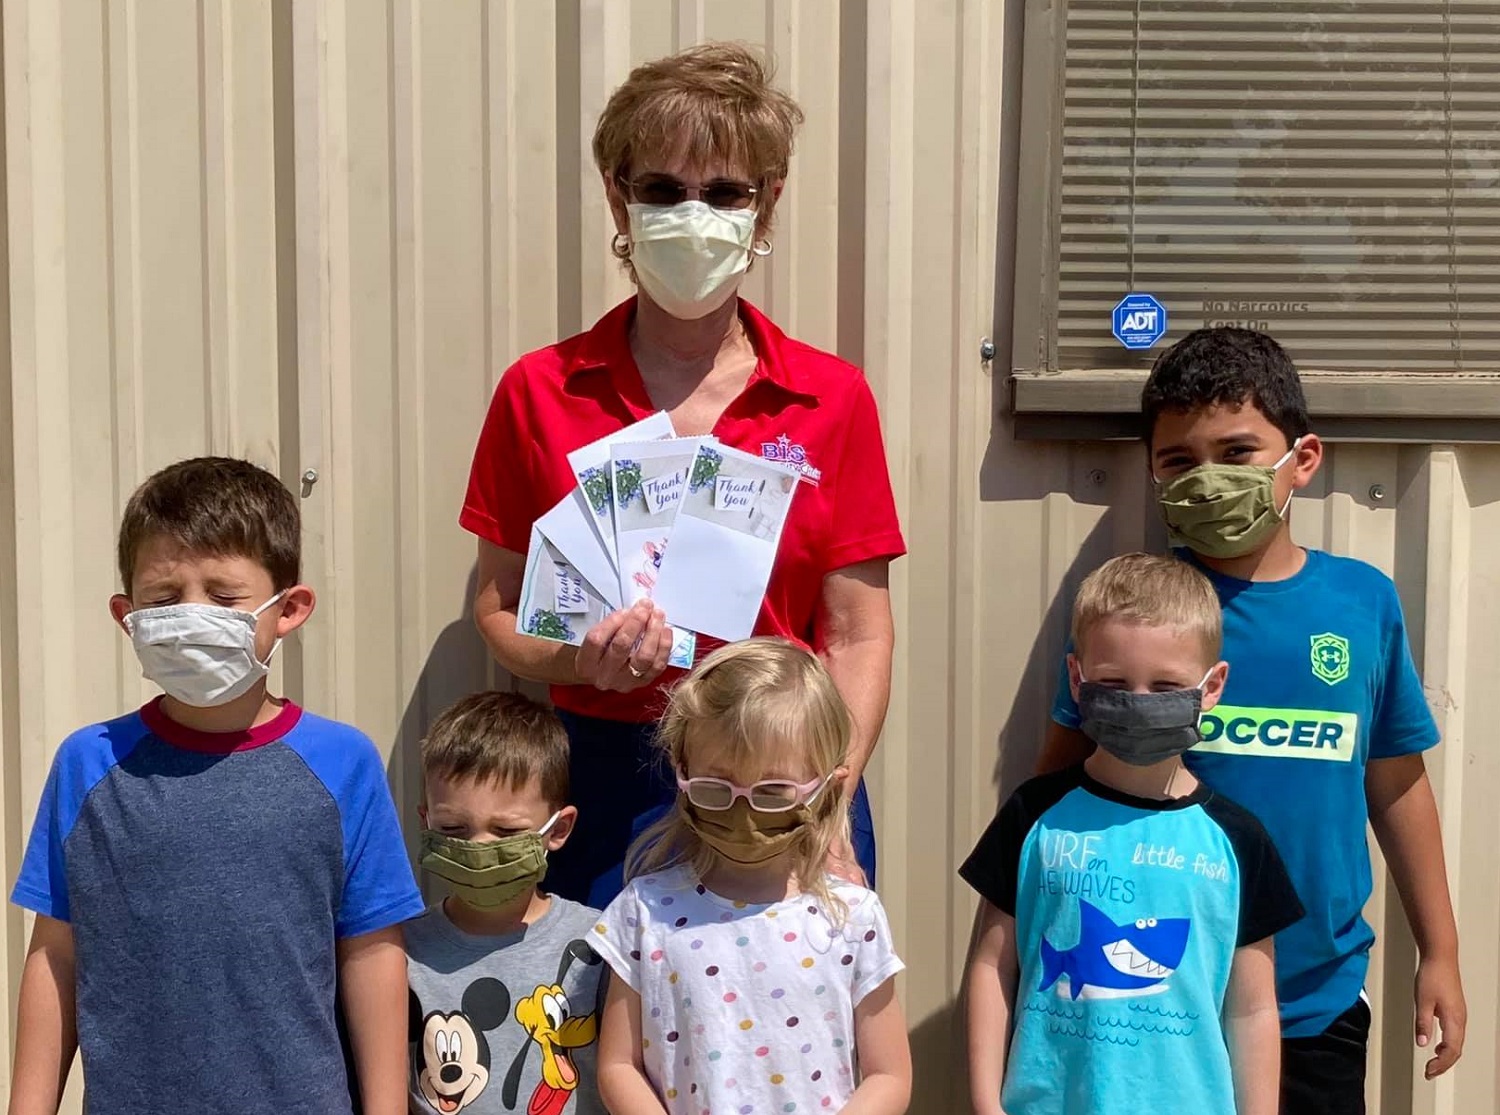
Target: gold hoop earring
(620, 246)
(761, 247)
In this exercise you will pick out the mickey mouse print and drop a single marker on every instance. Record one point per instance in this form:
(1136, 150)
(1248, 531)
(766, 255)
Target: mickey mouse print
(502, 1025)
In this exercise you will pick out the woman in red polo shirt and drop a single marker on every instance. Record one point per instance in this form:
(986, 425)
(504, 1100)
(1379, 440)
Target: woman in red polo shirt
(694, 151)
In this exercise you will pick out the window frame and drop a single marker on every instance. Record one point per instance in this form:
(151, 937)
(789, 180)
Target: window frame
(1048, 403)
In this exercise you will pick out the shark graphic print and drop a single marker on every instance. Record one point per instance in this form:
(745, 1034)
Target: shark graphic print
(1127, 914)
(1115, 961)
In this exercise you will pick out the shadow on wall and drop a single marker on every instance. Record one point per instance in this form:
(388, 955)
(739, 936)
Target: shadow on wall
(457, 665)
(1039, 473)
(940, 1067)
(1032, 473)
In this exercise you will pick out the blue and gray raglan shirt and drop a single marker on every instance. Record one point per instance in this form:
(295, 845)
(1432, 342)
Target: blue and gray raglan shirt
(207, 878)
(1321, 683)
(1128, 913)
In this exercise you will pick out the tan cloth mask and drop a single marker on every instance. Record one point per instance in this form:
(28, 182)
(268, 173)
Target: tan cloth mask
(1223, 511)
(690, 257)
(487, 873)
(747, 836)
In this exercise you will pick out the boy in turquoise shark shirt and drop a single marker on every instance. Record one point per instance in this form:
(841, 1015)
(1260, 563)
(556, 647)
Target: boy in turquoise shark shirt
(1124, 944)
(1323, 721)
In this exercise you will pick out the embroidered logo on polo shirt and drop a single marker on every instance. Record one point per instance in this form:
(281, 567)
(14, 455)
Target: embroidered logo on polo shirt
(787, 452)
(1330, 657)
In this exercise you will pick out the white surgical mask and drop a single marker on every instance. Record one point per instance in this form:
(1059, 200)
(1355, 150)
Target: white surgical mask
(201, 654)
(690, 257)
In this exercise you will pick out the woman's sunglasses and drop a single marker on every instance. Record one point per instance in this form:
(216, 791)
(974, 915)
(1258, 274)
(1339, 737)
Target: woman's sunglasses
(774, 795)
(663, 189)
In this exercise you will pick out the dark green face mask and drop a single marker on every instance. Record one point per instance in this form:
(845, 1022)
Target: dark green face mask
(1223, 511)
(487, 873)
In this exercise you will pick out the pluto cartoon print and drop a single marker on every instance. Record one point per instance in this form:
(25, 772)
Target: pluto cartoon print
(503, 1025)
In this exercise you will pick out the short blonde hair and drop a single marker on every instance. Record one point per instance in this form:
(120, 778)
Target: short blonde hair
(755, 697)
(716, 100)
(1152, 591)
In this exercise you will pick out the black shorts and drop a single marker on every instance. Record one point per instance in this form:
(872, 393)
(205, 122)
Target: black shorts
(1325, 1075)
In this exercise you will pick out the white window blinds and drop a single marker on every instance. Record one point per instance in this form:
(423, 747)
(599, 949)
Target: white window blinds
(1325, 170)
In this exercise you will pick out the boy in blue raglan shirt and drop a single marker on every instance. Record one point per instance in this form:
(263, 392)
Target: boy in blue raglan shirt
(1124, 944)
(206, 871)
(1323, 722)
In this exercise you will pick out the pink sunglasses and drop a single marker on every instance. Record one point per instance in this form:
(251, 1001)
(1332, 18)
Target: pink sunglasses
(774, 795)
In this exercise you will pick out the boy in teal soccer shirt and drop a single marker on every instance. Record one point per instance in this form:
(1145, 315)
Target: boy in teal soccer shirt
(1323, 722)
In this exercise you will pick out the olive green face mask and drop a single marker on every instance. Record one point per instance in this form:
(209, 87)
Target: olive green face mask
(1223, 511)
(487, 873)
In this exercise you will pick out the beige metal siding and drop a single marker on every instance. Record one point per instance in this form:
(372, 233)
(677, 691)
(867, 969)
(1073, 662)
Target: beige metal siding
(315, 233)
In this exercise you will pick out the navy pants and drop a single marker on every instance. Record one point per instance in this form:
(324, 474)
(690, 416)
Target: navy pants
(621, 784)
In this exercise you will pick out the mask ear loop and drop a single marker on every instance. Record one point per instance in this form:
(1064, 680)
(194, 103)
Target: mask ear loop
(545, 829)
(266, 665)
(1287, 456)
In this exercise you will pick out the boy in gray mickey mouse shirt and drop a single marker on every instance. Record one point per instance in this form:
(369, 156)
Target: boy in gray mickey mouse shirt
(505, 991)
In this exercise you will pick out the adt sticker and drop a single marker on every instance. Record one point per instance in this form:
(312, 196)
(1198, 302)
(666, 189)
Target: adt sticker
(1139, 321)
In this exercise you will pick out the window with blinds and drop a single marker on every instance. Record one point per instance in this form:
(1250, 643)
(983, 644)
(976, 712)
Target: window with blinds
(1325, 170)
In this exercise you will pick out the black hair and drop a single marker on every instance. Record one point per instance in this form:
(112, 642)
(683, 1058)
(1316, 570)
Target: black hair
(1226, 366)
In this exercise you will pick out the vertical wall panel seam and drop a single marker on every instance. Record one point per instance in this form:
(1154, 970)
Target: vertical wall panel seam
(12, 923)
(211, 371)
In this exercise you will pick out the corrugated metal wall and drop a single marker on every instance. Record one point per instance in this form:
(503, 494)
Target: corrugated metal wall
(314, 233)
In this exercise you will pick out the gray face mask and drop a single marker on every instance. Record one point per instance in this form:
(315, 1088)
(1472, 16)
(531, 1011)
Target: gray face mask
(1141, 728)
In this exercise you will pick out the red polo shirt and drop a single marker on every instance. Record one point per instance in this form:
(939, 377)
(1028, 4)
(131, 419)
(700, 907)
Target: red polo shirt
(800, 405)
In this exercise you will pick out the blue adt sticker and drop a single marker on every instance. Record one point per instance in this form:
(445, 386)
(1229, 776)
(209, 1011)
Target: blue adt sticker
(1139, 321)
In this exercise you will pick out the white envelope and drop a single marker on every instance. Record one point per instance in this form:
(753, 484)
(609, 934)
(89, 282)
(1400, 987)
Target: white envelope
(714, 574)
(570, 528)
(590, 465)
(557, 602)
(648, 481)
(564, 536)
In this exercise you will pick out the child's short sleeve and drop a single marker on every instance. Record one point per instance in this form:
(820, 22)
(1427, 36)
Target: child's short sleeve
(83, 761)
(42, 885)
(1268, 900)
(379, 888)
(1403, 723)
(618, 934)
(993, 867)
(874, 949)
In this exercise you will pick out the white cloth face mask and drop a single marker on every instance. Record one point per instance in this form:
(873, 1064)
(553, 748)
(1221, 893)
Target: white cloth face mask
(690, 257)
(201, 654)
